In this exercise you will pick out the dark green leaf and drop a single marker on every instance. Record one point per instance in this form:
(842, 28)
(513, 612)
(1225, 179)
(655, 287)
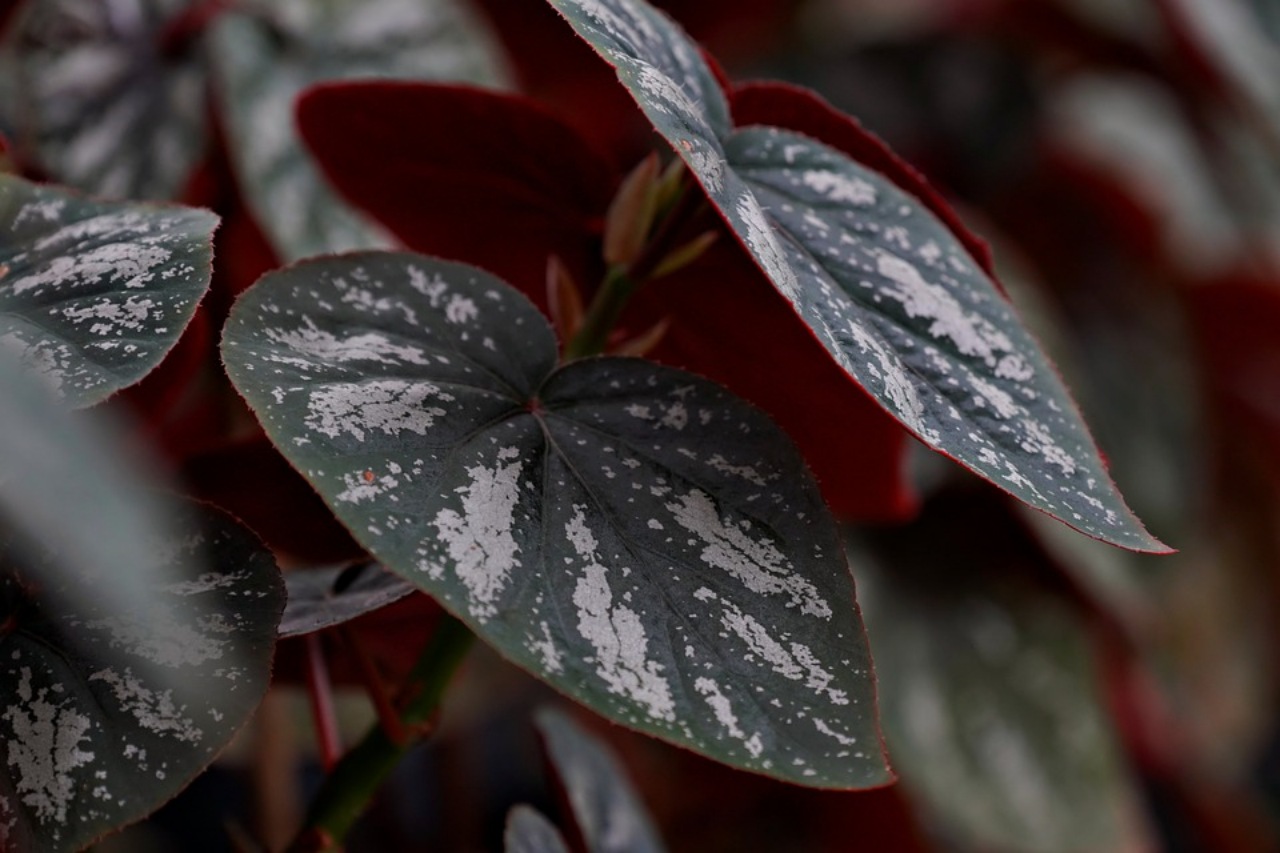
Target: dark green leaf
(991, 700)
(606, 808)
(102, 107)
(634, 535)
(529, 832)
(263, 59)
(884, 285)
(93, 294)
(107, 713)
(322, 598)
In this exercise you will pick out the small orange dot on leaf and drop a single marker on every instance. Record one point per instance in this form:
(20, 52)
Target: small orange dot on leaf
(368, 476)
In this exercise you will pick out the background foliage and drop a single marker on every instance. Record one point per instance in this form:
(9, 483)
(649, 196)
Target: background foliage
(1037, 690)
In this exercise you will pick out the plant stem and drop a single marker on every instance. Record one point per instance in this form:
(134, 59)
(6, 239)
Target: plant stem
(622, 281)
(351, 786)
(602, 316)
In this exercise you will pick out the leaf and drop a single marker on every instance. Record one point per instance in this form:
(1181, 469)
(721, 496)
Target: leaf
(991, 695)
(104, 108)
(606, 809)
(632, 534)
(885, 287)
(93, 294)
(262, 59)
(322, 598)
(529, 832)
(506, 161)
(108, 713)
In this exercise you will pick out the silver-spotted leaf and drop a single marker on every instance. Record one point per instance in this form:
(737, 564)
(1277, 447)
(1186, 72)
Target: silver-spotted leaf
(93, 294)
(992, 702)
(324, 597)
(885, 287)
(99, 100)
(633, 534)
(529, 832)
(107, 713)
(606, 809)
(261, 62)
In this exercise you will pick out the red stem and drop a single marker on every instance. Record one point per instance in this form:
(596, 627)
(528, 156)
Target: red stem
(320, 694)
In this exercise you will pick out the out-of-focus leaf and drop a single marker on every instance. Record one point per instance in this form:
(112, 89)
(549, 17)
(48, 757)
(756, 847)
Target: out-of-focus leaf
(98, 100)
(529, 832)
(991, 694)
(107, 713)
(266, 54)
(322, 598)
(93, 294)
(632, 534)
(606, 809)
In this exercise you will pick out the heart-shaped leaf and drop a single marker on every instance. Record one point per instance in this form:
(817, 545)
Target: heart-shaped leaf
(606, 809)
(634, 535)
(882, 283)
(992, 698)
(93, 294)
(106, 105)
(262, 62)
(322, 598)
(529, 832)
(108, 713)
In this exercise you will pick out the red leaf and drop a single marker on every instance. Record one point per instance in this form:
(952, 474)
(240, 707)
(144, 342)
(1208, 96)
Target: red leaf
(793, 108)
(464, 174)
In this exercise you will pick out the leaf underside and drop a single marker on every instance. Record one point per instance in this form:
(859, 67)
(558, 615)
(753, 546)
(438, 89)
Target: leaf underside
(107, 713)
(885, 287)
(630, 533)
(259, 75)
(325, 597)
(93, 294)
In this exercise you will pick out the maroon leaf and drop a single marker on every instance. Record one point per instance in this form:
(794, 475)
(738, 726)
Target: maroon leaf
(463, 173)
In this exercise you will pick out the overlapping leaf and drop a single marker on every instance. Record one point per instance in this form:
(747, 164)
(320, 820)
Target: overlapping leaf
(262, 59)
(109, 712)
(879, 280)
(93, 294)
(633, 534)
(606, 809)
(99, 101)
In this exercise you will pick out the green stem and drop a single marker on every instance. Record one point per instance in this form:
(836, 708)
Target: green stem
(347, 791)
(602, 316)
(622, 281)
